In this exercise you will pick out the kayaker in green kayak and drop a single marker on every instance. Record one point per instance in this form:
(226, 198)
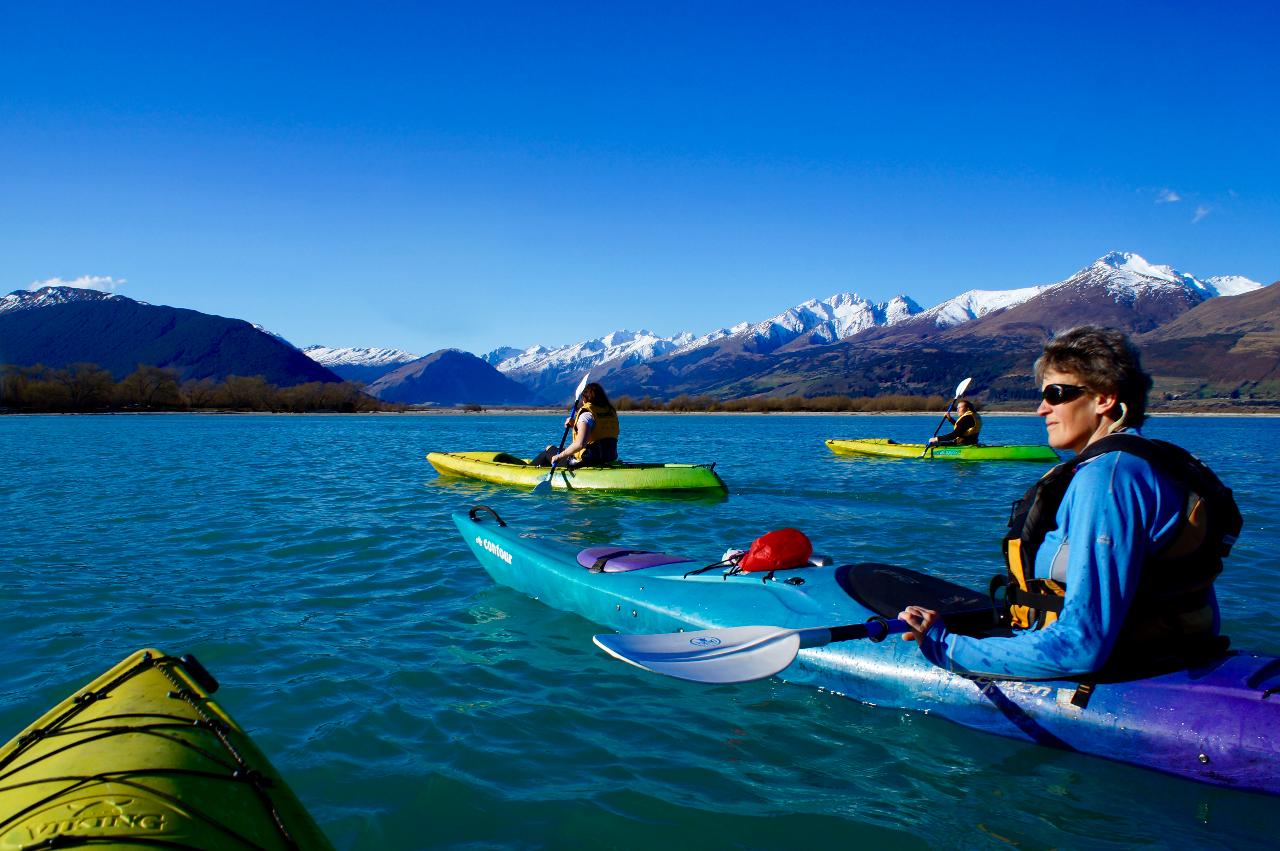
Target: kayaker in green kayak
(966, 425)
(595, 434)
(1111, 557)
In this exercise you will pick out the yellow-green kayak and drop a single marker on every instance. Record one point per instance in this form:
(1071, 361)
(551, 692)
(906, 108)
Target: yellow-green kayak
(143, 758)
(505, 469)
(884, 448)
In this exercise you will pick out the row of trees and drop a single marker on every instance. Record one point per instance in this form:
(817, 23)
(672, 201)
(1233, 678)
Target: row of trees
(788, 404)
(88, 387)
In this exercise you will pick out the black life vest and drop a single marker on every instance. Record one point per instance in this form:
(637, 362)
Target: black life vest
(1172, 612)
(967, 426)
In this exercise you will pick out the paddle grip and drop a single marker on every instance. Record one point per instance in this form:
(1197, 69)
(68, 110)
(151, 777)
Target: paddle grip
(876, 629)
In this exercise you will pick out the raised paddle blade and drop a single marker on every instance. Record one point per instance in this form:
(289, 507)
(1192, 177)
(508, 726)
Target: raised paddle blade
(733, 655)
(960, 388)
(582, 385)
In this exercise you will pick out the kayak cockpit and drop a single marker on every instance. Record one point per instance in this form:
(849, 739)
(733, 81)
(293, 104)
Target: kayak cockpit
(615, 559)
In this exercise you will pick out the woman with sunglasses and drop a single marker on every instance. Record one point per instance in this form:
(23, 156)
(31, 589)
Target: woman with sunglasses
(1111, 556)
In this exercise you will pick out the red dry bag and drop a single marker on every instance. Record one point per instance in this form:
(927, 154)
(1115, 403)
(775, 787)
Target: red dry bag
(777, 550)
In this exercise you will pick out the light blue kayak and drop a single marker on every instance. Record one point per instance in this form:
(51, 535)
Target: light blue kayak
(1219, 723)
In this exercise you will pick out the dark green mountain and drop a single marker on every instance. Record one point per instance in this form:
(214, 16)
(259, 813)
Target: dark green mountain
(57, 327)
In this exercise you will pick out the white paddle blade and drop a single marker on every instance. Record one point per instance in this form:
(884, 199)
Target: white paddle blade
(733, 655)
(960, 388)
(582, 385)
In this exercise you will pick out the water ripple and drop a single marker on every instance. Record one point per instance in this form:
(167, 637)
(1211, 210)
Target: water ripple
(312, 564)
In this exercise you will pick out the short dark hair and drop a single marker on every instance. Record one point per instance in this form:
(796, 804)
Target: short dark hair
(1105, 360)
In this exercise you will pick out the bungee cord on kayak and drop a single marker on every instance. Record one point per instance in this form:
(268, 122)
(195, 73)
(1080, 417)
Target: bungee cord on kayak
(144, 757)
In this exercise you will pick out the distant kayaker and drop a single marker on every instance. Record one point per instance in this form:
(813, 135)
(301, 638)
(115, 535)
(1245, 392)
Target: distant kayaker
(1111, 556)
(595, 434)
(966, 425)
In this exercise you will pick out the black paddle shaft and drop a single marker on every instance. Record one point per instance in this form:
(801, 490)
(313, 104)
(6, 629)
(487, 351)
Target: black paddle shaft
(875, 628)
(944, 418)
(572, 412)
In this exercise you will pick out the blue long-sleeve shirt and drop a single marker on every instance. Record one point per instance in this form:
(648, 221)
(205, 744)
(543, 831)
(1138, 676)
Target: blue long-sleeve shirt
(1116, 511)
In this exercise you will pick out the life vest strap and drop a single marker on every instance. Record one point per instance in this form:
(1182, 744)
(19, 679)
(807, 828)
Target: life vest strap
(1044, 602)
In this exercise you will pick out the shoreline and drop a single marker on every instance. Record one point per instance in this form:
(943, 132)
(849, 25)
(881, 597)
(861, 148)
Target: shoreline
(521, 412)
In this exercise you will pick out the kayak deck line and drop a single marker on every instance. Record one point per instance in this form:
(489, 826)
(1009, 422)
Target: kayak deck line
(506, 469)
(144, 756)
(881, 447)
(1216, 723)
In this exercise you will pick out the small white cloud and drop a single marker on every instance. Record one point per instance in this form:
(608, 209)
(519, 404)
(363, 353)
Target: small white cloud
(102, 283)
(1167, 196)
(1201, 212)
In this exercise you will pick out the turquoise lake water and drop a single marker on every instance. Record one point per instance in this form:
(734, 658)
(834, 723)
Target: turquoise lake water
(310, 563)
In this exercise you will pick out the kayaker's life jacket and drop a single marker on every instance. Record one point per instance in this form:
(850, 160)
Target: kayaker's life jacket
(967, 427)
(602, 442)
(1173, 607)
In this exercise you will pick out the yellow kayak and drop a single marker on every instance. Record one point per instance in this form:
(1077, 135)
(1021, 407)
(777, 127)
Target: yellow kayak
(143, 758)
(884, 448)
(504, 469)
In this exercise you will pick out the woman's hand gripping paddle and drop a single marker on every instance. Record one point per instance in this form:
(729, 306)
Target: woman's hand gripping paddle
(544, 486)
(960, 388)
(735, 654)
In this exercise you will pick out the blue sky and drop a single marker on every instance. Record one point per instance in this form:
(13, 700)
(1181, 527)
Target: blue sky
(419, 175)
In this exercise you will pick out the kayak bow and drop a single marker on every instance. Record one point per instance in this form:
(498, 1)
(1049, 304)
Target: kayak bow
(143, 758)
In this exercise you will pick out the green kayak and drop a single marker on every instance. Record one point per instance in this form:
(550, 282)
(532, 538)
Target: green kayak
(884, 448)
(143, 758)
(505, 469)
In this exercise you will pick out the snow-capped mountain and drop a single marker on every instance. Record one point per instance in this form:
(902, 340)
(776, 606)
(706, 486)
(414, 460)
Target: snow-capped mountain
(500, 354)
(1126, 275)
(541, 368)
(355, 364)
(329, 356)
(823, 321)
(817, 321)
(975, 304)
(1232, 285)
(49, 296)
(835, 318)
(1121, 289)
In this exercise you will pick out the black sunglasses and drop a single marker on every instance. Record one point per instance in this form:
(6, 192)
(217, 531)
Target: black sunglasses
(1056, 394)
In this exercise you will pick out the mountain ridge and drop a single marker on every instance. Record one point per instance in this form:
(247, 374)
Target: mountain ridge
(1121, 289)
(364, 365)
(60, 326)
